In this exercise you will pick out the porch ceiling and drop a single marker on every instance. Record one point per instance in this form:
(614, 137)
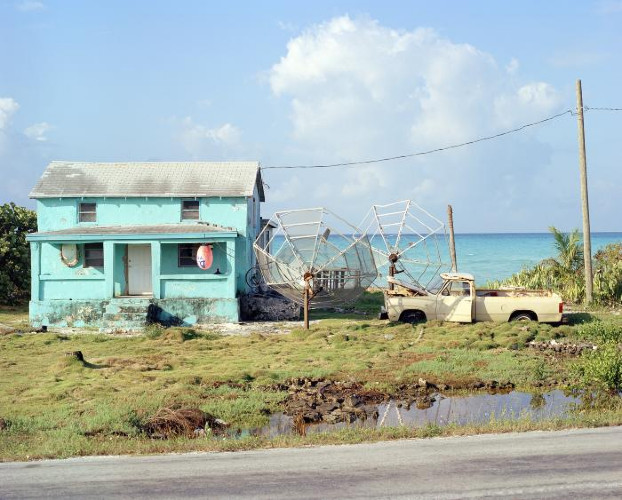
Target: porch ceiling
(160, 232)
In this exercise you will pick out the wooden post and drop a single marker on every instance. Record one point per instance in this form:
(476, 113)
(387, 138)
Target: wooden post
(305, 296)
(587, 239)
(393, 258)
(452, 242)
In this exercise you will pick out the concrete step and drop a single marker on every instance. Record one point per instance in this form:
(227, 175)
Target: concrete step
(131, 318)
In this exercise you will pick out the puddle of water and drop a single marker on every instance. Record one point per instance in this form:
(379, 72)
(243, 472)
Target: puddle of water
(480, 408)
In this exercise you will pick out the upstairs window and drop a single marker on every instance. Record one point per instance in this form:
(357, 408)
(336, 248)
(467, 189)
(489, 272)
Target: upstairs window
(189, 210)
(94, 255)
(87, 212)
(187, 255)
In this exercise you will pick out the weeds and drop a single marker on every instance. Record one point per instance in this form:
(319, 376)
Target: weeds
(601, 331)
(55, 405)
(602, 369)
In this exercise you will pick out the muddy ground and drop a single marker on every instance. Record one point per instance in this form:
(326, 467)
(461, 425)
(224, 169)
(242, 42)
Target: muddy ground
(330, 401)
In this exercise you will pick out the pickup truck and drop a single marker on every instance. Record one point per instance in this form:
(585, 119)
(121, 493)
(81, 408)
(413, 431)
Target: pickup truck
(455, 298)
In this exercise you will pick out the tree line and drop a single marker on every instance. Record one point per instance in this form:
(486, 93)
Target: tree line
(15, 223)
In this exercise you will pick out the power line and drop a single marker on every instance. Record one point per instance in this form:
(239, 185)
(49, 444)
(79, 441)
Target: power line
(601, 109)
(445, 148)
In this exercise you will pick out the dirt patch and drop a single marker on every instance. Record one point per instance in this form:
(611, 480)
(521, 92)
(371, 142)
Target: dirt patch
(5, 329)
(247, 329)
(189, 422)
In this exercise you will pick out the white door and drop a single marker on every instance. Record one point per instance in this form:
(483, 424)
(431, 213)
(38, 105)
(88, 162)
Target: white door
(139, 269)
(455, 302)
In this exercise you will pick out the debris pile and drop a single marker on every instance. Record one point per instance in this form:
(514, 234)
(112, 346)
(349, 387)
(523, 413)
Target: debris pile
(268, 307)
(320, 400)
(562, 348)
(189, 422)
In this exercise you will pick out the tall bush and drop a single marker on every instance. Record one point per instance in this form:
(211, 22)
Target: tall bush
(608, 274)
(15, 223)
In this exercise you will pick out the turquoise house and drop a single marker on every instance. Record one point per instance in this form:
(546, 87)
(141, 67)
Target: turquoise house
(116, 243)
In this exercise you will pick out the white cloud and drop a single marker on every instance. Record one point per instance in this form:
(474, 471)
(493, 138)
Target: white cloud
(30, 6)
(363, 181)
(529, 103)
(290, 189)
(37, 131)
(360, 90)
(198, 139)
(8, 106)
(512, 67)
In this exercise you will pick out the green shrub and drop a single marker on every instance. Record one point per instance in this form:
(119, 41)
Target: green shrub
(602, 368)
(601, 331)
(608, 274)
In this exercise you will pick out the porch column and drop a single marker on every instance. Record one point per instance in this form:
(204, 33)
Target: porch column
(35, 270)
(233, 280)
(109, 269)
(156, 259)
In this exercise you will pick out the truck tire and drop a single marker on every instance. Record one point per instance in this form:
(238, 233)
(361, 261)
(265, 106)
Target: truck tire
(412, 317)
(523, 316)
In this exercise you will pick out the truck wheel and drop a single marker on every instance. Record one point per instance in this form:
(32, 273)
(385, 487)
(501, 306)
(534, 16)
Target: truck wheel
(412, 317)
(522, 317)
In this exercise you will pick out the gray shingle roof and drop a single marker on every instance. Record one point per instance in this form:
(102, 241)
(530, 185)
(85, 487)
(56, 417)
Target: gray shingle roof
(160, 229)
(64, 179)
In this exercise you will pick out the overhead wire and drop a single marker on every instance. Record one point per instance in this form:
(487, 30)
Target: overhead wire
(436, 150)
(601, 109)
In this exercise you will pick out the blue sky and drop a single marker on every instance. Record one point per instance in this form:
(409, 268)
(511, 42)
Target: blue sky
(290, 83)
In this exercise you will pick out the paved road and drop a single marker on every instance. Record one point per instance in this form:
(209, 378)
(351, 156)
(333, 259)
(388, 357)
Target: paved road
(568, 464)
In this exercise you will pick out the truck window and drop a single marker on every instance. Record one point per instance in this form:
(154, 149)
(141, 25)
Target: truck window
(459, 289)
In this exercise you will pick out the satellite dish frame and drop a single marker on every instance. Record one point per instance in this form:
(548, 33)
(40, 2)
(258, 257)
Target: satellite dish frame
(309, 292)
(394, 253)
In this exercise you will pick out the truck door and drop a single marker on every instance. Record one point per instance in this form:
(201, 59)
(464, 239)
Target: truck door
(455, 302)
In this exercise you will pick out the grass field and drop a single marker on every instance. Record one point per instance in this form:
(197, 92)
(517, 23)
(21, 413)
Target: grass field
(53, 405)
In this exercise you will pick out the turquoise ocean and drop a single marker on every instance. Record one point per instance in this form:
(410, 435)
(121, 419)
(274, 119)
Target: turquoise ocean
(490, 256)
(497, 256)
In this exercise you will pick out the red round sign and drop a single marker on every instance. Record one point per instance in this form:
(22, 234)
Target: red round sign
(205, 257)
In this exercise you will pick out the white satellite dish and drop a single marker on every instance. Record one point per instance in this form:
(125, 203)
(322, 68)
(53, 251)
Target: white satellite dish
(407, 239)
(314, 258)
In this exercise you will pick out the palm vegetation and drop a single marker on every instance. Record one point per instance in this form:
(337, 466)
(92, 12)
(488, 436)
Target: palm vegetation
(564, 273)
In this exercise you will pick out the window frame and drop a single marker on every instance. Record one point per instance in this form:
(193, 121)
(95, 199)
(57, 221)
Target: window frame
(187, 260)
(91, 261)
(185, 211)
(83, 212)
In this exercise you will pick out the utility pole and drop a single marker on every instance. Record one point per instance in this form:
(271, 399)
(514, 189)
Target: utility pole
(452, 242)
(587, 238)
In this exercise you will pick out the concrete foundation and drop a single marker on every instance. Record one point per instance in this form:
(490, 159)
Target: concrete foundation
(132, 312)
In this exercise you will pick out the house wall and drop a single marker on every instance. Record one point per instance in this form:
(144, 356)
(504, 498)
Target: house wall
(54, 214)
(79, 296)
(242, 214)
(58, 280)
